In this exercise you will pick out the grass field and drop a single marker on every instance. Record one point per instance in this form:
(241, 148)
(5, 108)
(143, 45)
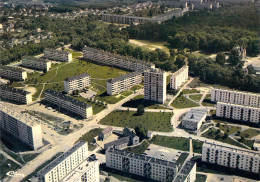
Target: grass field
(196, 97)
(207, 101)
(88, 137)
(249, 133)
(200, 178)
(182, 158)
(189, 91)
(181, 102)
(139, 149)
(29, 157)
(229, 129)
(197, 146)
(197, 83)
(139, 100)
(154, 121)
(4, 168)
(178, 143)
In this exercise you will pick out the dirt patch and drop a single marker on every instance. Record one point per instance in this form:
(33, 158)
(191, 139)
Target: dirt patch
(30, 89)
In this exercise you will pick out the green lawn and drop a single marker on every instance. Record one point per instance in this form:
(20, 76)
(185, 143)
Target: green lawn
(182, 158)
(75, 54)
(197, 146)
(213, 134)
(29, 157)
(189, 91)
(249, 143)
(138, 149)
(207, 101)
(139, 100)
(89, 136)
(249, 133)
(178, 143)
(181, 102)
(200, 178)
(136, 87)
(4, 168)
(196, 97)
(197, 83)
(229, 129)
(154, 121)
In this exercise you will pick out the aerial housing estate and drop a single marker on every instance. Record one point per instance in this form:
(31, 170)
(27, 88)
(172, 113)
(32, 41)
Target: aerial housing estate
(21, 126)
(16, 95)
(111, 59)
(179, 77)
(123, 83)
(12, 73)
(69, 104)
(58, 55)
(36, 63)
(155, 85)
(78, 82)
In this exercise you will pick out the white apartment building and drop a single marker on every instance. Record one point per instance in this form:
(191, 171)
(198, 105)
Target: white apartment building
(15, 94)
(64, 164)
(179, 77)
(194, 118)
(238, 112)
(87, 171)
(78, 82)
(123, 83)
(235, 97)
(187, 173)
(36, 63)
(148, 167)
(12, 73)
(69, 104)
(155, 85)
(247, 160)
(111, 59)
(58, 55)
(21, 126)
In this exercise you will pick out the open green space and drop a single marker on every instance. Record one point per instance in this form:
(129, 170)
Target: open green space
(197, 146)
(182, 158)
(181, 102)
(89, 136)
(7, 166)
(247, 142)
(29, 157)
(75, 54)
(196, 97)
(200, 178)
(189, 91)
(139, 149)
(154, 121)
(249, 133)
(196, 82)
(229, 129)
(214, 134)
(178, 143)
(207, 101)
(139, 100)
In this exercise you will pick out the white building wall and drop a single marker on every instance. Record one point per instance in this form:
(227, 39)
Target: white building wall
(179, 77)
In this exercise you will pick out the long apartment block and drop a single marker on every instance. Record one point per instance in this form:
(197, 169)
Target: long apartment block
(241, 159)
(179, 77)
(155, 85)
(12, 73)
(78, 82)
(187, 173)
(14, 94)
(58, 55)
(111, 59)
(235, 97)
(69, 104)
(21, 126)
(123, 83)
(64, 164)
(238, 112)
(36, 63)
(141, 165)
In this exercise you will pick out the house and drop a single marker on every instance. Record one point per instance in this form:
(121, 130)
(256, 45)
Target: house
(104, 134)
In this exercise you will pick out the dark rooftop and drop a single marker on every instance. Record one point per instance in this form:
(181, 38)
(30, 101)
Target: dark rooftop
(15, 69)
(11, 89)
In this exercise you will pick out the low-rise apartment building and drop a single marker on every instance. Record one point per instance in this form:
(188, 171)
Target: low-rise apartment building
(58, 55)
(16, 95)
(187, 173)
(193, 119)
(105, 133)
(111, 59)
(69, 104)
(13, 73)
(179, 77)
(21, 126)
(235, 97)
(155, 85)
(148, 167)
(241, 159)
(238, 112)
(123, 83)
(78, 82)
(36, 63)
(64, 164)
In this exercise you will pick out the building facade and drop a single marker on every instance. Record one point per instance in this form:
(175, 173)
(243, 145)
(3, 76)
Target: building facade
(64, 164)
(123, 83)
(69, 104)
(58, 55)
(15, 94)
(179, 77)
(78, 82)
(241, 159)
(235, 97)
(36, 63)
(155, 85)
(21, 126)
(193, 119)
(12, 73)
(105, 133)
(238, 112)
(110, 59)
(148, 167)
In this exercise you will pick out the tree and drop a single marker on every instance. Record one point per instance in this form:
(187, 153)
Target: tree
(242, 139)
(234, 57)
(140, 110)
(141, 131)
(225, 136)
(180, 62)
(221, 58)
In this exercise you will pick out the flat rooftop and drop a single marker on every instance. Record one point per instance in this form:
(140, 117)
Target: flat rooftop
(77, 77)
(14, 90)
(179, 71)
(14, 69)
(237, 91)
(185, 171)
(36, 59)
(57, 51)
(237, 105)
(195, 115)
(114, 80)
